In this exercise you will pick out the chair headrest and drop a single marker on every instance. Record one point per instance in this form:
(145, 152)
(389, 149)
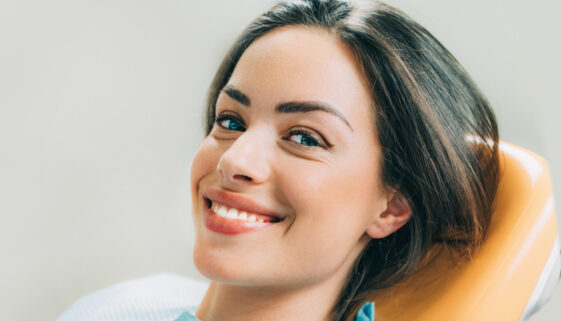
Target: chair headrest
(498, 282)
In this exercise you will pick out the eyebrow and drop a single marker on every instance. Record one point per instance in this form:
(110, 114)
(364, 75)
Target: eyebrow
(288, 107)
(237, 95)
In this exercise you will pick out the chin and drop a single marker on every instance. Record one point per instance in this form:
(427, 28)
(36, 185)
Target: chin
(216, 266)
(212, 264)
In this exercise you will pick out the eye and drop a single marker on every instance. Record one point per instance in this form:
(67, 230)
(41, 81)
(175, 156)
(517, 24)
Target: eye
(306, 138)
(230, 121)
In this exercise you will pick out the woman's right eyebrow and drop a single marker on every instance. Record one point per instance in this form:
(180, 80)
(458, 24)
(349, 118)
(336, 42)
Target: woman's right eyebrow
(237, 95)
(288, 107)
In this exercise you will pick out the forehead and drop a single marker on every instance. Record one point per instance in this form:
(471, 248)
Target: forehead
(302, 63)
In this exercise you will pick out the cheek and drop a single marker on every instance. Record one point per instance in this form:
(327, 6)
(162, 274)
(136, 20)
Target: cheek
(204, 162)
(333, 209)
(348, 193)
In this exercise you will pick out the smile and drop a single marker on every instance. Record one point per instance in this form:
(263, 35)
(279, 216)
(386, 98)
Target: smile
(233, 213)
(236, 214)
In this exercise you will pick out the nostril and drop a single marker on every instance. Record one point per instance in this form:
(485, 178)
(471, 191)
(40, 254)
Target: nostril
(243, 177)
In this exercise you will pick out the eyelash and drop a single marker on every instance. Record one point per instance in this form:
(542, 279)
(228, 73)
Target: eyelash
(231, 117)
(306, 134)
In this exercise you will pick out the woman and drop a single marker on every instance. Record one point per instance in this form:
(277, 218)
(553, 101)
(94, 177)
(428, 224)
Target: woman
(338, 152)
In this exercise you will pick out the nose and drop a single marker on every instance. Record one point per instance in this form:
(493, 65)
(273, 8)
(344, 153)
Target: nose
(246, 160)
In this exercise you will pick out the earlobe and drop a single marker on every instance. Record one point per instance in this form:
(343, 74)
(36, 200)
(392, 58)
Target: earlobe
(397, 213)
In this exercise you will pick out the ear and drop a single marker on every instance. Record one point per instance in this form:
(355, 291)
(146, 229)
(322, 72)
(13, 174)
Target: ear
(397, 213)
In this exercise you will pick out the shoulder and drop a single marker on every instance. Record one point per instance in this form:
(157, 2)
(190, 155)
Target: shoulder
(160, 297)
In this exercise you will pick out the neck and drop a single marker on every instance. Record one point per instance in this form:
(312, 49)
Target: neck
(224, 302)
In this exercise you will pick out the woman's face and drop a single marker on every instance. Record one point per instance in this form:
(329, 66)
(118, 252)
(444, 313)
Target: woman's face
(287, 183)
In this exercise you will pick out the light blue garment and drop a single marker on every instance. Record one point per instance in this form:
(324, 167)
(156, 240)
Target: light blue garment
(366, 313)
(186, 316)
(163, 297)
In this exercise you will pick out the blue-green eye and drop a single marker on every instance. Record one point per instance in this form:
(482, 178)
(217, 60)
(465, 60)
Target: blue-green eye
(230, 122)
(303, 137)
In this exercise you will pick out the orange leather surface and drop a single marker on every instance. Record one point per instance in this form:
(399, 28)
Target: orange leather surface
(498, 282)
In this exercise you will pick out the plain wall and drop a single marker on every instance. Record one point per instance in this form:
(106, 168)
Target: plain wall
(100, 115)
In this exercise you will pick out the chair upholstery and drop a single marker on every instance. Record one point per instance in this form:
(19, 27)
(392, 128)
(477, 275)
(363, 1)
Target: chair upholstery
(510, 276)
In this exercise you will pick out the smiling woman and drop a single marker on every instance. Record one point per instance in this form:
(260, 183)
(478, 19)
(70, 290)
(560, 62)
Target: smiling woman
(347, 124)
(302, 143)
(336, 156)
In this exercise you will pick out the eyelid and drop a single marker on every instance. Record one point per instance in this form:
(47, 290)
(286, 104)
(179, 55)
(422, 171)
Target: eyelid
(228, 112)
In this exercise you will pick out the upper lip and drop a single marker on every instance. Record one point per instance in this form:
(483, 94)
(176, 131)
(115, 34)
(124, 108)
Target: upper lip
(239, 202)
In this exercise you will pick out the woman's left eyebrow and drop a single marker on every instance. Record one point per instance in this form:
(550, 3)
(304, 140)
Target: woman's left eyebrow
(308, 106)
(288, 107)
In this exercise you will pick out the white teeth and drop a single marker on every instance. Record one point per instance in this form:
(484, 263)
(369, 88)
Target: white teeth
(233, 213)
(222, 211)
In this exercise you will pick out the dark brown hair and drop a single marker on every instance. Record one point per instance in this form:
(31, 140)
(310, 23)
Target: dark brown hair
(428, 114)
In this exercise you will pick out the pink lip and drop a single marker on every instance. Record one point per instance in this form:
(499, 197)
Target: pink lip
(239, 201)
(234, 226)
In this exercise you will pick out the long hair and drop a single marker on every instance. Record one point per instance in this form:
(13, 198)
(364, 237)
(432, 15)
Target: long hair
(425, 107)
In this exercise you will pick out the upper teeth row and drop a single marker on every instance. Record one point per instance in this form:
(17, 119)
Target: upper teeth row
(230, 212)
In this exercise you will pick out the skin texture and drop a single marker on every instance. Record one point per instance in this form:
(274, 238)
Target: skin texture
(330, 195)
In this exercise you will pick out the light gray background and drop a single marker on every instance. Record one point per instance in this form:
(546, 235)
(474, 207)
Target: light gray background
(100, 114)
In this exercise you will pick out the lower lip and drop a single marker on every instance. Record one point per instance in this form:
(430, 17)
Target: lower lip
(228, 226)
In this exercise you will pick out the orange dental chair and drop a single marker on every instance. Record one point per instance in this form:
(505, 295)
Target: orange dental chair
(511, 275)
